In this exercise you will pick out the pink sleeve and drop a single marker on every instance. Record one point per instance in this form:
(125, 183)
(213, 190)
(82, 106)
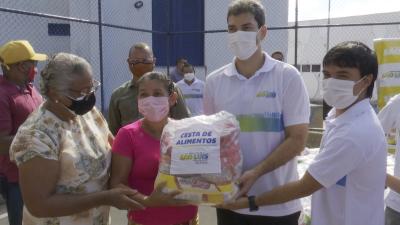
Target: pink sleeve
(5, 116)
(123, 144)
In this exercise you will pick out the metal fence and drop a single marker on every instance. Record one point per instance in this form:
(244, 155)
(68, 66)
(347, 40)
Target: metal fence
(103, 31)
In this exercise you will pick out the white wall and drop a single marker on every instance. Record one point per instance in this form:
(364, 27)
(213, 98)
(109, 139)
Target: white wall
(116, 42)
(312, 42)
(84, 38)
(217, 53)
(55, 7)
(34, 29)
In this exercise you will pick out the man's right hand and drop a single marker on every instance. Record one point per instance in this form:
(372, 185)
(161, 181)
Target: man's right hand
(159, 198)
(245, 182)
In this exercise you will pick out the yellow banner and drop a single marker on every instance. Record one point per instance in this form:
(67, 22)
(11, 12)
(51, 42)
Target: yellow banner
(387, 50)
(388, 82)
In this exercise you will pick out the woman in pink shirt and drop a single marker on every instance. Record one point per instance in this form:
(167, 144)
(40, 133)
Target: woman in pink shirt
(136, 156)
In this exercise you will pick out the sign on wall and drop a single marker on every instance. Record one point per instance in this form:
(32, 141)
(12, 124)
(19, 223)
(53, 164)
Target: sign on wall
(388, 82)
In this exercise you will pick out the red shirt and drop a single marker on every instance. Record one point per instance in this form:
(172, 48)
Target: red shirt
(144, 151)
(15, 106)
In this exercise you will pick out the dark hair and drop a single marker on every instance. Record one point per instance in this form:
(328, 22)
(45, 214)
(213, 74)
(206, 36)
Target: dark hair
(168, 84)
(277, 52)
(187, 65)
(354, 54)
(253, 7)
(4, 69)
(180, 60)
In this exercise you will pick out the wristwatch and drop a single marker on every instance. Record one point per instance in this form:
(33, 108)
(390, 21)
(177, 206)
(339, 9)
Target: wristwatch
(252, 203)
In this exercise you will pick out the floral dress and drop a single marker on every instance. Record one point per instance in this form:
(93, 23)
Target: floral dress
(83, 149)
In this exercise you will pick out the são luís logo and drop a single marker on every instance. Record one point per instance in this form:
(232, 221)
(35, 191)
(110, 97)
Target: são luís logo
(266, 94)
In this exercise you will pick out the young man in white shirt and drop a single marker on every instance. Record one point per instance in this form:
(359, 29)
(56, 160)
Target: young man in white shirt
(390, 119)
(271, 103)
(192, 90)
(347, 177)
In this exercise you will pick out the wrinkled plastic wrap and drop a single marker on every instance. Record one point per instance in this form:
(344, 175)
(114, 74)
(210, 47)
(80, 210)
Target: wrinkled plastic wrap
(201, 157)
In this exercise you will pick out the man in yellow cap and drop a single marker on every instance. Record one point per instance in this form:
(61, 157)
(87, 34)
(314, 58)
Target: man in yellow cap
(18, 98)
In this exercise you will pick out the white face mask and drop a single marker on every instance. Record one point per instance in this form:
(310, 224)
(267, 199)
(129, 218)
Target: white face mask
(339, 93)
(243, 43)
(188, 76)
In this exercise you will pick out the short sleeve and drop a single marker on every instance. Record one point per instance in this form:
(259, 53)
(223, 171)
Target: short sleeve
(179, 110)
(123, 144)
(337, 159)
(114, 116)
(296, 103)
(208, 101)
(28, 144)
(389, 115)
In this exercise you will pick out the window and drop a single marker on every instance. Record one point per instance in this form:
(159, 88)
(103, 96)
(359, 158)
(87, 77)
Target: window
(315, 68)
(305, 68)
(184, 16)
(59, 29)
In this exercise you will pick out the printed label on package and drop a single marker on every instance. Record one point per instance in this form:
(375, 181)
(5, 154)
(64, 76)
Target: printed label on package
(196, 152)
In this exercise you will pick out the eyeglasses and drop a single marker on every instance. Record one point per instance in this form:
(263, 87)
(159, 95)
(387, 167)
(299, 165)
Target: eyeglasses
(31, 62)
(133, 62)
(85, 93)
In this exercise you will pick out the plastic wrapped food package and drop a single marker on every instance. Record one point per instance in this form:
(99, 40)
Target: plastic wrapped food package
(201, 156)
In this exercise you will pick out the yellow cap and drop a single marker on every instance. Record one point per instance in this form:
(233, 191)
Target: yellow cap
(18, 51)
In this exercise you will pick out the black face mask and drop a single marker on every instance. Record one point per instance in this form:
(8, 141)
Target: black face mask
(81, 107)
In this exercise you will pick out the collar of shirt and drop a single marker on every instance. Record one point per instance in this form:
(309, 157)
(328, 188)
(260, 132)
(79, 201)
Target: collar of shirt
(267, 66)
(9, 85)
(350, 114)
(133, 83)
(194, 82)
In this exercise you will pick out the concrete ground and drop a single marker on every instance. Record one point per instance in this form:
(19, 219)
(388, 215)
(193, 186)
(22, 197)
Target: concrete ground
(3, 214)
(118, 217)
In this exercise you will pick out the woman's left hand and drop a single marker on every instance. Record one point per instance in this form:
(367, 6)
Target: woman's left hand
(124, 198)
(239, 203)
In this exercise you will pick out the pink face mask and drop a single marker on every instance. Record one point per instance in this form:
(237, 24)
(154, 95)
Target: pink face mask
(154, 109)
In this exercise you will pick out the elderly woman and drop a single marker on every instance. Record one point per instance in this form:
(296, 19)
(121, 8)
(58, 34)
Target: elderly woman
(63, 151)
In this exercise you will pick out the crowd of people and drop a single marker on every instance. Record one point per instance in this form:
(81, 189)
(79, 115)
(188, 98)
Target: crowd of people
(63, 163)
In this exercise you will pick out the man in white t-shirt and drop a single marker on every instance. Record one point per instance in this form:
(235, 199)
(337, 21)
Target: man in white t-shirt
(192, 90)
(347, 177)
(271, 103)
(390, 119)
